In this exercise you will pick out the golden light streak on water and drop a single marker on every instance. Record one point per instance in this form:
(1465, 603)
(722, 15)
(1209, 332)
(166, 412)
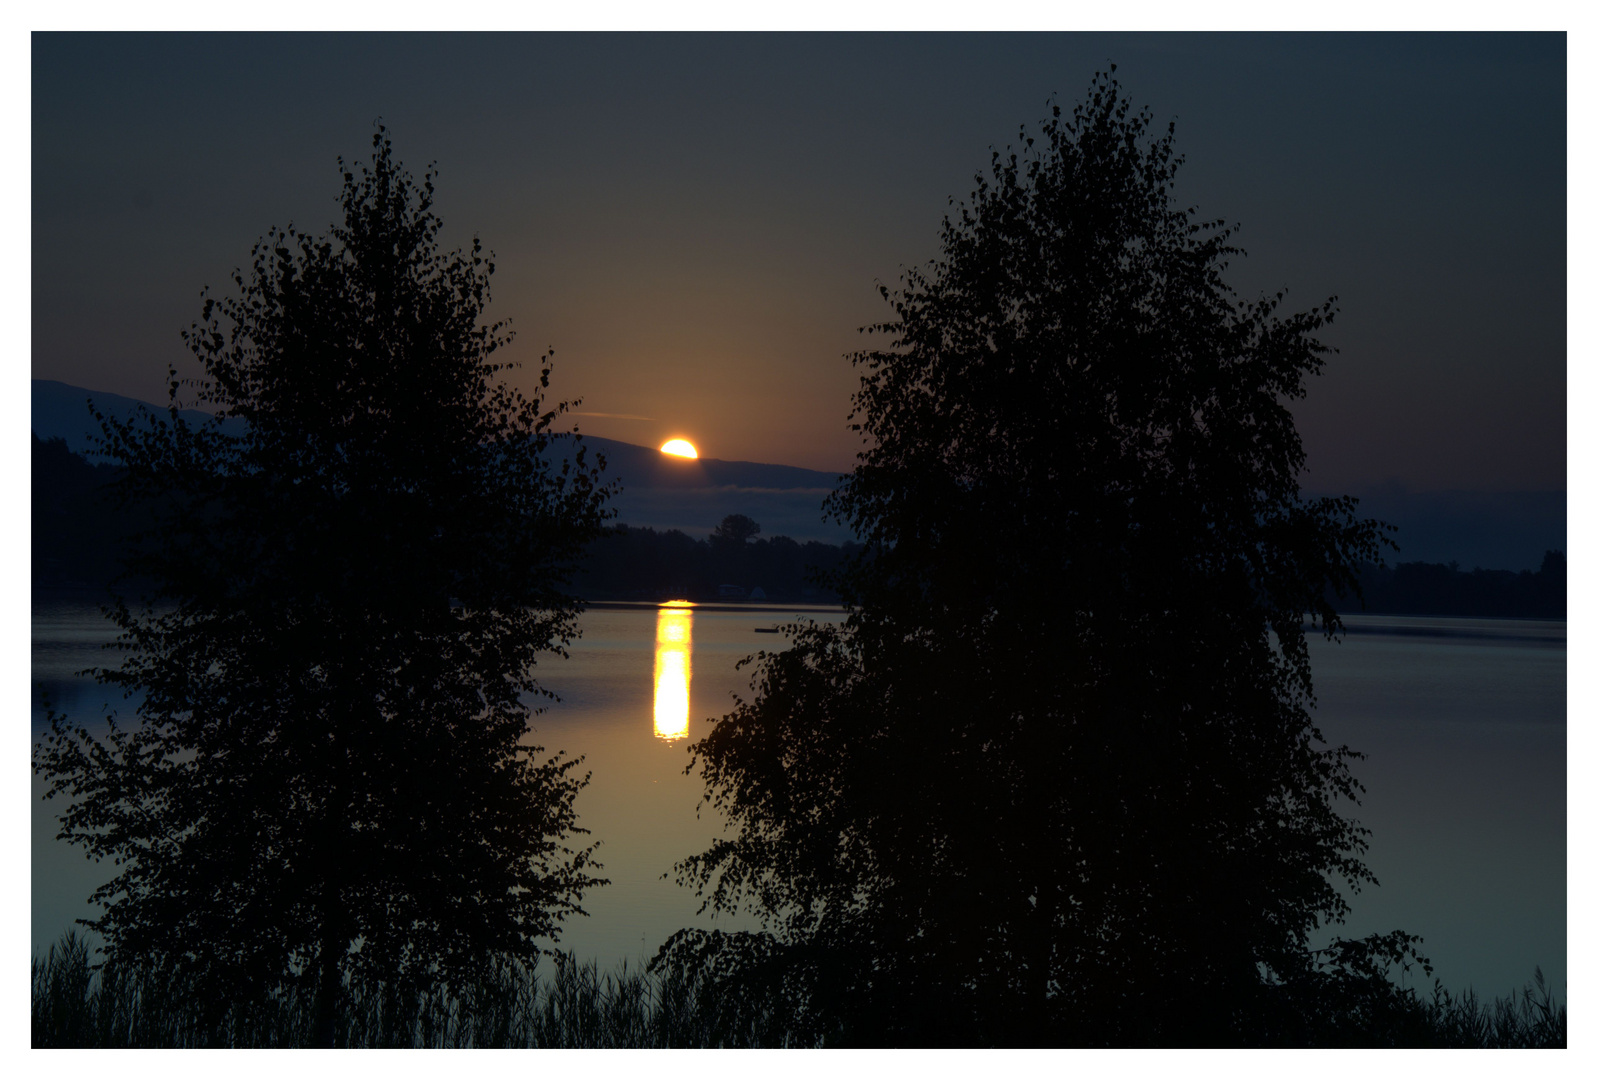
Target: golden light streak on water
(674, 646)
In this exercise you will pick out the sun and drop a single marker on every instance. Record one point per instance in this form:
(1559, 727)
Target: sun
(680, 448)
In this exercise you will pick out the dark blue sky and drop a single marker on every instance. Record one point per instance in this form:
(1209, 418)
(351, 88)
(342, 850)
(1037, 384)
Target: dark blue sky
(696, 222)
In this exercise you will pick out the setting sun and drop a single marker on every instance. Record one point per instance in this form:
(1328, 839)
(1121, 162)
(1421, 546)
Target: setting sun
(680, 448)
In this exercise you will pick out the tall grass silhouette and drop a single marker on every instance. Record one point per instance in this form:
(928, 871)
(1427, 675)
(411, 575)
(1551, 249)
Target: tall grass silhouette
(571, 1006)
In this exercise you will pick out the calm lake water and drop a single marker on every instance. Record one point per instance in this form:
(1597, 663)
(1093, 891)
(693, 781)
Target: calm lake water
(1463, 722)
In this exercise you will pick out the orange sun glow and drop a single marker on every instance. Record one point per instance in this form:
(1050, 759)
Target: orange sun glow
(680, 448)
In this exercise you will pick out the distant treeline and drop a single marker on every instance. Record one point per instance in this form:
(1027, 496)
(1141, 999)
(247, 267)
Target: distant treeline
(1418, 588)
(78, 537)
(642, 564)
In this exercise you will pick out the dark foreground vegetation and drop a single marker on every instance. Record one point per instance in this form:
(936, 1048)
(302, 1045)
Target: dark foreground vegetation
(1053, 781)
(575, 1006)
(338, 590)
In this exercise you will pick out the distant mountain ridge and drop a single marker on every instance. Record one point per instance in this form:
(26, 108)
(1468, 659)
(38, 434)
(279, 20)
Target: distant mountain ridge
(1497, 530)
(60, 411)
(693, 495)
(658, 491)
(633, 464)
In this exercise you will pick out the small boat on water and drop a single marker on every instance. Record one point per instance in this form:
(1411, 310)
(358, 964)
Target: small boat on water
(765, 629)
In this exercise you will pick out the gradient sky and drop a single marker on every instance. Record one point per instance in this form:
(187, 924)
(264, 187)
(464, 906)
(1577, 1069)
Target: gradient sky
(696, 223)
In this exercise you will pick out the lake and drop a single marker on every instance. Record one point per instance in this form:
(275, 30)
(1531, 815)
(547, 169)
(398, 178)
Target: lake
(1463, 722)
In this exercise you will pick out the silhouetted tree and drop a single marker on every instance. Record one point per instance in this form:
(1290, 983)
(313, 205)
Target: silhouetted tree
(736, 529)
(731, 551)
(1055, 778)
(329, 778)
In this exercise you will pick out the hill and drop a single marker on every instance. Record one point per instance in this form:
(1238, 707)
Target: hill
(1502, 530)
(658, 491)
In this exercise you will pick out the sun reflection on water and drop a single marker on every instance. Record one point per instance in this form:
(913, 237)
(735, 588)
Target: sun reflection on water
(674, 646)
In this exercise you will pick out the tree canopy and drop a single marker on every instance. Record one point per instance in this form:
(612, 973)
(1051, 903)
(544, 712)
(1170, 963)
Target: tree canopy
(328, 776)
(1056, 778)
(736, 530)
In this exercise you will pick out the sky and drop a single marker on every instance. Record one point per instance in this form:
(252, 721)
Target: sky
(697, 223)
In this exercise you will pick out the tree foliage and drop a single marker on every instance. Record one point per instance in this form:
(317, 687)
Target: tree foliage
(1055, 778)
(736, 530)
(328, 777)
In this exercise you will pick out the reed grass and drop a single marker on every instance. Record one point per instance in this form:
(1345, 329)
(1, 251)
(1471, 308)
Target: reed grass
(1531, 1019)
(573, 1005)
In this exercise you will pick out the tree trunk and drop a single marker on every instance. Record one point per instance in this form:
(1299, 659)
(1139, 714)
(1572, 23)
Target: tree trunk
(330, 981)
(335, 941)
